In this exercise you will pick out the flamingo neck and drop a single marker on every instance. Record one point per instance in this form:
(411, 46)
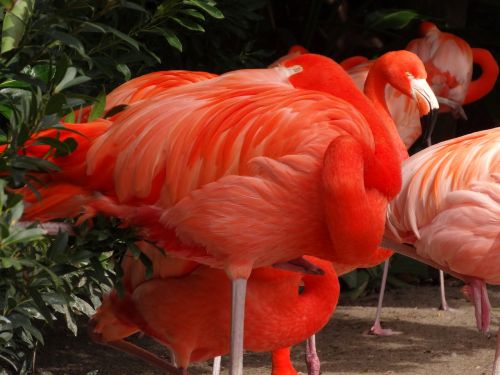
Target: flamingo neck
(484, 84)
(375, 90)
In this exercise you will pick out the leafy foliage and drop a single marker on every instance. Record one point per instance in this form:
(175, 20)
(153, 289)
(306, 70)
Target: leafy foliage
(42, 278)
(58, 56)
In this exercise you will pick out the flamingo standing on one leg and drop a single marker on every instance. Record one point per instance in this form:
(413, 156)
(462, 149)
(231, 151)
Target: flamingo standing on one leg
(235, 152)
(448, 212)
(173, 309)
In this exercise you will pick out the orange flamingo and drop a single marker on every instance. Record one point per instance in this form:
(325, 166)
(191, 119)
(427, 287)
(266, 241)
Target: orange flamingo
(174, 310)
(256, 167)
(144, 87)
(448, 214)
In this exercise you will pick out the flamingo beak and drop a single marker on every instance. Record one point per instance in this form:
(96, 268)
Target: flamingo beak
(428, 107)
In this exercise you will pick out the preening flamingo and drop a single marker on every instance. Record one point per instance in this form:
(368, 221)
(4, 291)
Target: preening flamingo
(448, 214)
(255, 167)
(190, 314)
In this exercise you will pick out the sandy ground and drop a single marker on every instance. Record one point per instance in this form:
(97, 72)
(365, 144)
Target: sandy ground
(433, 342)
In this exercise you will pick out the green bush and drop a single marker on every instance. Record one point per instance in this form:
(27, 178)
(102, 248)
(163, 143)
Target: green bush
(58, 56)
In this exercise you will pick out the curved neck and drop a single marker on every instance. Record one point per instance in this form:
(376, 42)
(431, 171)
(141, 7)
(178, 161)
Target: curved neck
(375, 85)
(484, 84)
(281, 362)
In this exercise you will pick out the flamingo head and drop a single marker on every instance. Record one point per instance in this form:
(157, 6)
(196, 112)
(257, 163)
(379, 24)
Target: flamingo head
(406, 72)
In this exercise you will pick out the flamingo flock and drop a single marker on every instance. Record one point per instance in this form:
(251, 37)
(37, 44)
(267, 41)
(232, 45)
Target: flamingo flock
(259, 187)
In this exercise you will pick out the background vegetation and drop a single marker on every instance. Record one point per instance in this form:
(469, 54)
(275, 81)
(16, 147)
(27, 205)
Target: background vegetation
(57, 56)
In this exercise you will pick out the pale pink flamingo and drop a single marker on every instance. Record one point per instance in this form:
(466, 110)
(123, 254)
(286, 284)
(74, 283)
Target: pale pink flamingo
(448, 214)
(255, 167)
(448, 60)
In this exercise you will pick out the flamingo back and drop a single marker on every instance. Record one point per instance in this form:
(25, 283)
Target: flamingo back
(449, 203)
(448, 61)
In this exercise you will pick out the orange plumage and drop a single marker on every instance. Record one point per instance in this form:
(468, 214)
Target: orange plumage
(190, 314)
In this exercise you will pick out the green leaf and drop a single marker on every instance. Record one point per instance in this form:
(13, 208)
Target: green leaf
(134, 6)
(14, 24)
(134, 43)
(123, 69)
(70, 117)
(58, 246)
(23, 236)
(70, 41)
(391, 19)
(40, 304)
(13, 83)
(172, 39)
(193, 13)
(70, 79)
(16, 212)
(188, 24)
(98, 107)
(211, 10)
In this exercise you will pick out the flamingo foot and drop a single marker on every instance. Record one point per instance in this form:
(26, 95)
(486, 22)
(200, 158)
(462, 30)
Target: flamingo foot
(312, 360)
(377, 330)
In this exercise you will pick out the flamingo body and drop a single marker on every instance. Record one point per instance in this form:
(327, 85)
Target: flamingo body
(190, 314)
(449, 206)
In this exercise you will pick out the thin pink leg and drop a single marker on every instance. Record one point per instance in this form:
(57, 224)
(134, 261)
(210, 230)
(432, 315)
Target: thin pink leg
(444, 305)
(377, 329)
(312, 360)
(216, 366)
(237, 326)
(496, 363)
(481, 303)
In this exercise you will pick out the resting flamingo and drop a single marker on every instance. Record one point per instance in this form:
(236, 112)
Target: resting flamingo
(448, 61)
(269, 150)
(173, 306)
(448, 214)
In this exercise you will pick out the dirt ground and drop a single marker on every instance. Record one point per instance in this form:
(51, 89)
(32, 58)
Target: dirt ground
(433, 342)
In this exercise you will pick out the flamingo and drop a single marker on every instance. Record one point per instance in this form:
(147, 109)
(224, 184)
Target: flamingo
(255, 167)
(144, 87)
(448, 214)
(448, 61)
(187, 310)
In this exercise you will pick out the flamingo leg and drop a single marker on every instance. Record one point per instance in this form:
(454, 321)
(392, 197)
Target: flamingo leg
(377, 329)
(216, 365)
(282, 365)
(312, 359)
(496, 363)
(237, 326)
(481, 303)
(146, 356)
(444, 305)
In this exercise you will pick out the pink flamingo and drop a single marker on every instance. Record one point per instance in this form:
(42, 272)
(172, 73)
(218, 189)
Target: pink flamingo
(256, 167)
(448, 61)
(448, 214)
